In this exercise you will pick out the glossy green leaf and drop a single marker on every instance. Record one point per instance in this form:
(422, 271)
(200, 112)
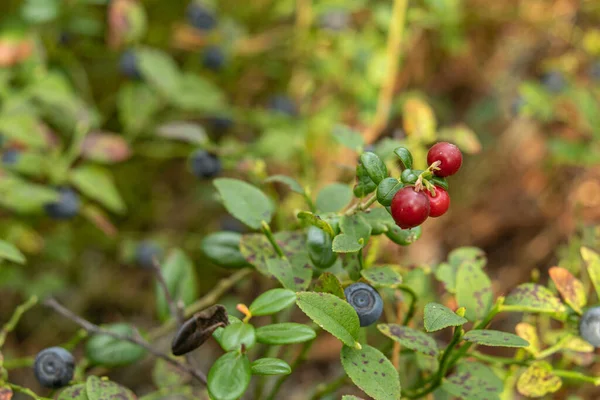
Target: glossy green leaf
(270, 366)
(375, 168)
(159, 69)
(538, 380)
(75, 392)
(245, 202)
(223, 248)
(439, 181)
(356, 232)
(438, 317)
(236, 335)
(410, 338)
(180, 277)
(272, 301)
(103, 389)
(530, 297)
(98, 184)
(372, 372)
(229, 376)
(405, 156)
(284, 333)
(110, 352)
(333, 197)
(288, 181)
(386, 190)
(346, 244)
(10, 252)
(473, 291)
(329, 283)
(403, 237)
(488, 337)
(332, 314)
(348, 137)
(385, 276)
(379, 219)
(364, 183)
(592, 261)
(474, 381)
(316, 221)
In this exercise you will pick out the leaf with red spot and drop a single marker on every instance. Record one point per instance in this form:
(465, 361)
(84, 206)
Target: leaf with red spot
(108, 148)
(570, 288)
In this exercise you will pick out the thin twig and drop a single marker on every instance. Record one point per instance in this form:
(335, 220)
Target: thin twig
(174, 309)
(14, 320)
(136, 339)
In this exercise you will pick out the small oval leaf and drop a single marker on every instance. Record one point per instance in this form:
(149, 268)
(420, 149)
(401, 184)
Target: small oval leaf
(375, 168)
(410, 338)
(284, 333)
(245, 202)
(489, 337)
(108, 351)
(229, 376)
(272, 301)
(270, 366)
(236, 335)
(438, 317)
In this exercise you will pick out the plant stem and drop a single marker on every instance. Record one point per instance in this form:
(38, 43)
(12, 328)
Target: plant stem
(577, 376)
(14, 319)
(361, 206)
(327, 388)
(24, 362)
(20, 389)
(269, 234)
(305, 349)
(135, 339)
(386, 93)
(206, 301)
(176, 312)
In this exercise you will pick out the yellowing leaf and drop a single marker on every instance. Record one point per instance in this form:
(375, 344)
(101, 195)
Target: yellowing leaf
(529, 333)
(419, 120)
(592, 260)
(569, 287)
(538, 380)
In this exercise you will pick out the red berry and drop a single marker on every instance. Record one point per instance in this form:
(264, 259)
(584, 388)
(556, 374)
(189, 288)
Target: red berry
(439, 204)
(448, 154)
(409, 207)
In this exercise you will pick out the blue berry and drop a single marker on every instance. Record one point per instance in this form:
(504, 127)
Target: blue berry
(54, 367)
(220, 123)
(366, 301)
(204, 164)
(589, 326)
(283, 104)
(67, 205)
(200, 17)
(129, 66)
(146, 252)
(554, 81)
(213, 58)
(10, 157)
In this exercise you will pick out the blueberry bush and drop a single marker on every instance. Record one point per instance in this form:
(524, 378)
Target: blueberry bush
(226, 200)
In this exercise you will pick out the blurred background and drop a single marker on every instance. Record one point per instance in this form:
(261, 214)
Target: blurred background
(110, 112)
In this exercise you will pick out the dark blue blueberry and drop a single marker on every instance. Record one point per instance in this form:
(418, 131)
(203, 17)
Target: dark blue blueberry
(595, 70)
(220, 123)
(554, 81)
(146, 252)
(67, 205)
(283, 104)
(589, 326)
(205, 164)
(10, 157)
(128, 65)
(201, 17)
(54, 367)
(366, 301)
(213, 58)
(334, 20)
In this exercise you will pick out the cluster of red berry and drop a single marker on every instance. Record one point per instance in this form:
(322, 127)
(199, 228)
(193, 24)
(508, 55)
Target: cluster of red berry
(412, 205)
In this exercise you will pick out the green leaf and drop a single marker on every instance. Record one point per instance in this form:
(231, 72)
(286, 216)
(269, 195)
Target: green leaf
(102, 389)
(473, 381)
(473, 291)
(350, 397)
(24, 128)
(386, 276)
(387, 189)
(351, 265)
(234, 335)
(272, 301)
(348, 137)
(372, 372)
(530, 297)
(178, 271)
(465, 254)
(196, 93)
(403, 237)
(439, 181)
(364, 184)
(108, 351)
(24, 197)
(9, 252)
(270, 366)
(315, 220)
(333, 197)
(223, 248)
(379, 219)
(438, 317)
(356, 232)
(293, 274)
(488, 337)
(345, 244)
(245, 202)
(284, 333)
(592, 260)
(405, 156)
(40, 11)
(137, 105)
(229, 376)
(410, 338)
(329, 283)
(538, 380)
(159, 70)
(586, 103)
(184, 131)
(332, 314)
(75, 392)
(288, 181)
(257, 249)
(570, 288)
(97, 183)
(375, 168)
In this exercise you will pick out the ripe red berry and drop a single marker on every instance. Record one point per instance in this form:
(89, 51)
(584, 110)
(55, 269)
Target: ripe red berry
(439, 204)
(448, 154)
(409, 207)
